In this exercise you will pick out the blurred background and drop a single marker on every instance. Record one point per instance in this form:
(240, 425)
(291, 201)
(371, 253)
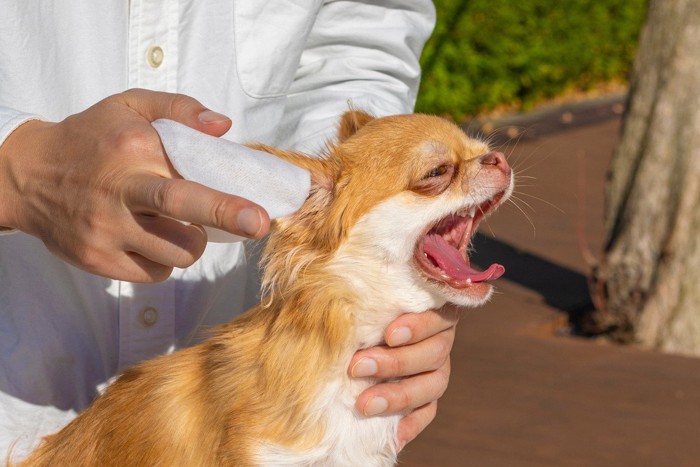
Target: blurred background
(499, 56)
(587, 354)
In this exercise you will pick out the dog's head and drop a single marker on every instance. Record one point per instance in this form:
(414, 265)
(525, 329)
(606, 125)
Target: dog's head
(394, 204)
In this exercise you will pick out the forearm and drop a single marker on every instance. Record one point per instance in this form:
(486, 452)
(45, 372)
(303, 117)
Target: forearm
(17, 140)
(10, 120)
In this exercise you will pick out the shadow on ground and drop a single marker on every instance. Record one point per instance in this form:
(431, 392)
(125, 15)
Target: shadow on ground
(561, 288)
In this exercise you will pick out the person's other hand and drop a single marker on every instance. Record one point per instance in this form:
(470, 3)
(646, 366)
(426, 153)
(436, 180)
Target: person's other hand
(418, 353)
(99, 191)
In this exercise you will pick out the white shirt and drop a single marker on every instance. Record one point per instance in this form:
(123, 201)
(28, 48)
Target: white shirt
(282, 70)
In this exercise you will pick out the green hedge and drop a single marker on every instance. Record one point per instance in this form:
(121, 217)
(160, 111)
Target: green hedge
(489, 53)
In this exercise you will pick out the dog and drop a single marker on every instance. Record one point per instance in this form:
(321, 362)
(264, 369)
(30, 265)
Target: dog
(385, 230)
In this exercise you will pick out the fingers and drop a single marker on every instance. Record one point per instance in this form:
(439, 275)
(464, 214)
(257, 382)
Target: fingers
(145, 249)
(166, 241)
(416, 361)
(386, 362)
(410, 328)
(191, 202)
(405, 394)
(153, 105)
(419, 342)
(414, 423)
(104, 259)
(136, 268)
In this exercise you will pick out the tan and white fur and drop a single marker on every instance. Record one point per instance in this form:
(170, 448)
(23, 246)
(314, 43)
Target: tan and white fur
(272, 387)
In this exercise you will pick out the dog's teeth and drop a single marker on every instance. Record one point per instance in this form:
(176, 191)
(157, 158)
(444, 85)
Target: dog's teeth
(469, 281)
(472, 211)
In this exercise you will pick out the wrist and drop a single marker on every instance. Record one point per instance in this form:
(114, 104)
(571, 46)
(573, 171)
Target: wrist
(18, 148)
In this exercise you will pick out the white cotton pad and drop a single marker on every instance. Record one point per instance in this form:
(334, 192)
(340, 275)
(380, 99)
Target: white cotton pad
(276, 185)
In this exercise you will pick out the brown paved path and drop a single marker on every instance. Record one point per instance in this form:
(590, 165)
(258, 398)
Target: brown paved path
(521, 392)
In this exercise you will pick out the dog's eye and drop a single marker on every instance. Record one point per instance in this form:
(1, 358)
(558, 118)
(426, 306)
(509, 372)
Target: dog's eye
(438, 171)
(435, 181)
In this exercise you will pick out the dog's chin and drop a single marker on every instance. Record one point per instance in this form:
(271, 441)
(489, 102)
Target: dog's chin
(472, 296)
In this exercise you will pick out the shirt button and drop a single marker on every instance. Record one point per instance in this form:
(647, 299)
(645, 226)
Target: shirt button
(149, 316)
(155, 56)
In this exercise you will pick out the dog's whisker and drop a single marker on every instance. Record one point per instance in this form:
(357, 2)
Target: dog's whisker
(525, 214)
(535, 152)
(549, 203)
(491, 231)
(515, 143)
(523, 157)
(515, 198)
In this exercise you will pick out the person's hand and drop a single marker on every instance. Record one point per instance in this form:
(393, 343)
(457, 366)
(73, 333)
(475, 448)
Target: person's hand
(418, 353)
(99, 191)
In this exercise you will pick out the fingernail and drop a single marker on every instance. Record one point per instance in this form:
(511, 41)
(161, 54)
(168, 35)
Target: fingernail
(399, 336)
(364, 367)
(209, 116)
(375, 406)
(249, 221)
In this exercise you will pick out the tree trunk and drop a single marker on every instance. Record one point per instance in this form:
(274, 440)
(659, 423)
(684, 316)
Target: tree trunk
(647, 287)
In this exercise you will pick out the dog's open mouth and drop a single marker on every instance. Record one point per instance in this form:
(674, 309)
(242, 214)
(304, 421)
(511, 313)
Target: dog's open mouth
(442, 253)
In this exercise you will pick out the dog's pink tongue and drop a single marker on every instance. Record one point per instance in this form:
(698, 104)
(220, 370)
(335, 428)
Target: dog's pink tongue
(449, 259)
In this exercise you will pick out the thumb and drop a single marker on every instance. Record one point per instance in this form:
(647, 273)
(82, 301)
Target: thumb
(153, 105)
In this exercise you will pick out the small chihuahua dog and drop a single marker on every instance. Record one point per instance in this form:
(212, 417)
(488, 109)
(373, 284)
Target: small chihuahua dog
(386, 230)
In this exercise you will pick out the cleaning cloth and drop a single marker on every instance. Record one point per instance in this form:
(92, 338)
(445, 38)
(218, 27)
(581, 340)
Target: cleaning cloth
(276, 185)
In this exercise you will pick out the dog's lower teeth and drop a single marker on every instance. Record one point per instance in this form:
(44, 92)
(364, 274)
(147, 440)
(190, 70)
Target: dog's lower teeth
(466, 212)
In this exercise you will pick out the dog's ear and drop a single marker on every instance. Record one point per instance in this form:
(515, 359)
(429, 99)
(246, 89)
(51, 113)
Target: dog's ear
(324, 175)
(350, 122)
(324, 171)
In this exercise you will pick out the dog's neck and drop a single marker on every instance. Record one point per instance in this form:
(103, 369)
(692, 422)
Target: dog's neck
(350, 294)
(314, 299)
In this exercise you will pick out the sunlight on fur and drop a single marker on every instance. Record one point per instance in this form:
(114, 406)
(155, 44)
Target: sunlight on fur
(385, 230)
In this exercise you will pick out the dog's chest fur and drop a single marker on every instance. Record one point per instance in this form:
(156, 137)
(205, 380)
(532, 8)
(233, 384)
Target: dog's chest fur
(349, 440)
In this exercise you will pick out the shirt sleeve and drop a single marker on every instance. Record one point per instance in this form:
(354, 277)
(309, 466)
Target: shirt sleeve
(10, 119)
(363, 54)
